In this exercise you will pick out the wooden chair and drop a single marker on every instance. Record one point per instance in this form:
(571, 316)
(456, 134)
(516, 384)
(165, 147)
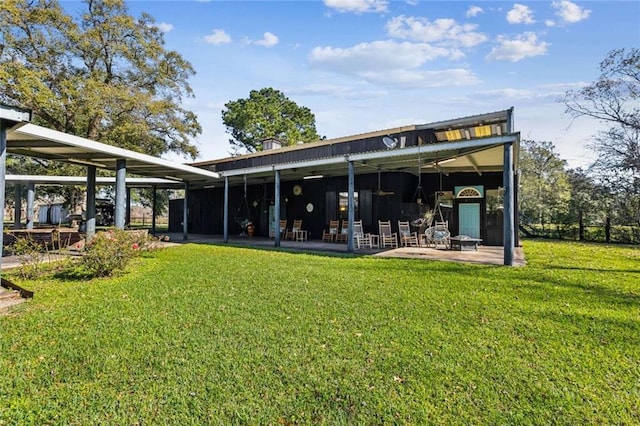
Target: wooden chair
(407, 238)
(360, 239)
(331, 234)
(343, 235)
(388, 238)
(292, 233)
(283, 228)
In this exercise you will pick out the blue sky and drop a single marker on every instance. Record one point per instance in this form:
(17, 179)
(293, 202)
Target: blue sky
(364, 65)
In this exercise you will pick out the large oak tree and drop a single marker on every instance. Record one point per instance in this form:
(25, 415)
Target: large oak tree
(103, 75)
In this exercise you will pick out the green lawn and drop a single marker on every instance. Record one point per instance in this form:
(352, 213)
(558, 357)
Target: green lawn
(202, 334)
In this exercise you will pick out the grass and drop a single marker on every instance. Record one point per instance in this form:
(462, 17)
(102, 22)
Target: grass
(216, 335)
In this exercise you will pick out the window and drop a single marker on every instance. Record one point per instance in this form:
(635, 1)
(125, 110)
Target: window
(343, 204)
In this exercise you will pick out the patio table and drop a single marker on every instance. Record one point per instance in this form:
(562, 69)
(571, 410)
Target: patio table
(464, 242)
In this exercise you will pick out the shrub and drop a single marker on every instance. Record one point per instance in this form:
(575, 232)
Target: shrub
(109, 252)
(30, 254)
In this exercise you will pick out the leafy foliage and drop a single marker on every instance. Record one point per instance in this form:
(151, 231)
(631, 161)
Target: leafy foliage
(109, 252)
(267, 113)
(103, 75)
(544, 190)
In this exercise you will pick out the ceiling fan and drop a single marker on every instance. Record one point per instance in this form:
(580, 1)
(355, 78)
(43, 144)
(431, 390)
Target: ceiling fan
(380, 192)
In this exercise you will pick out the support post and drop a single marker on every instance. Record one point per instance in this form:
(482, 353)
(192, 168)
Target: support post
(31, 199)
(225, 213)
(508, 180)
(3, 169)
(154, 208)
(128, 209)
(277, 208)
(351, 212)
(121, 184)
(17, 216)
(90, 225)
(185, 213)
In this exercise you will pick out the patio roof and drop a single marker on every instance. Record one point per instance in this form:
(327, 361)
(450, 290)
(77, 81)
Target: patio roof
(36, 141)
(132, 182)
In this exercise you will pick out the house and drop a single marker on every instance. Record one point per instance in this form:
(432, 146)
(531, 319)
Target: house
(462, 171)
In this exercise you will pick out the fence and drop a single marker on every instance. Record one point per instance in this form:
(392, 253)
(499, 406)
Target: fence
(606, 233)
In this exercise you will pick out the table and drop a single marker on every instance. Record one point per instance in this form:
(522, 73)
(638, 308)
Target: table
(464, 242)
(300, 235)
(375, 240)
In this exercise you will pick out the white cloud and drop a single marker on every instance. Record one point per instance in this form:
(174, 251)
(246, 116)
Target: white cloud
(569, 12)
(514, 50)
(337, 91)
(357, 6)
(164, 27)
(520, 14)
(391, 63)
(376, 56)
(268, 40)
(474, 11)
(218, 37)
(444, 31)
(550, 23)
(423, 78)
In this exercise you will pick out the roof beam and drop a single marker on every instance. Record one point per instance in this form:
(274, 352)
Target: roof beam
(474, 164)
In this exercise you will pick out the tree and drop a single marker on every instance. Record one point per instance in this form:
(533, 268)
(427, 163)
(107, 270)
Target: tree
(105, 76)
(267, 113)
(614, 98)
(544, 188)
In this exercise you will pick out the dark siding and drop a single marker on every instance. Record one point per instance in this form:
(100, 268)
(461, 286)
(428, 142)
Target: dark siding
(206, 205)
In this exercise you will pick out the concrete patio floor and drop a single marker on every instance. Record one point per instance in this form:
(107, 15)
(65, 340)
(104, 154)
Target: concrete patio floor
(485, 254)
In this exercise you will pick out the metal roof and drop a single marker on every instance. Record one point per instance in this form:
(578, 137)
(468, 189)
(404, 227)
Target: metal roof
(40, 142)
(100, 180)
(468, 144)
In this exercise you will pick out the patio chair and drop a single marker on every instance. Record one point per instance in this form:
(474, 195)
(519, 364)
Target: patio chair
(343, 235)
(407, 238)
(283, 228)
(360, 239)
(388, 238)
(296, 227)
(331, 234)
(438, 235)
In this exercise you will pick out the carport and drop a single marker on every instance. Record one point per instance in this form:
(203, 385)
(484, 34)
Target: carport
(19, 136)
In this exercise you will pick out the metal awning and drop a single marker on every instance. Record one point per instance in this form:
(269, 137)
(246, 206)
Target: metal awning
(37, 141)
(474, 156)
(132, 182)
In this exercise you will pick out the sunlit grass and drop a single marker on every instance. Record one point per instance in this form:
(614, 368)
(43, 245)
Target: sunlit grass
(208, 334)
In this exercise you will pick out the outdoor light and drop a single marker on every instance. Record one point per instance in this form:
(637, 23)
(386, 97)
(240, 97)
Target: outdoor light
(313, 177)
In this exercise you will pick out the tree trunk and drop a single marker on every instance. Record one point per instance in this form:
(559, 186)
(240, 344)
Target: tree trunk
(607, 230)
(580, 226)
